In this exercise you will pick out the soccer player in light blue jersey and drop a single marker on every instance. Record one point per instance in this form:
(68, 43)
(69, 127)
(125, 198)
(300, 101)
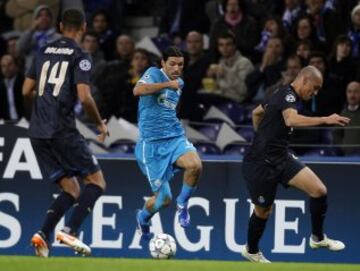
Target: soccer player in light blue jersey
(162, 148)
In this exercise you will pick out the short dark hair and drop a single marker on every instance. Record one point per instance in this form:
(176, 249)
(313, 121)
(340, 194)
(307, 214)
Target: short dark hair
(241, 4)
(91, 33)
(73, 19)
(101, 12)
(172, 51)
(227, 35)
(319, 54)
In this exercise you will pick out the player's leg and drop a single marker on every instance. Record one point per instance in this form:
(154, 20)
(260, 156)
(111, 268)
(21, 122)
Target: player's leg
(307, 181)
(161, 199)
(261, 182)
(192, 166)
(158, 172)
(94, 188)
(256, 228)
(52, 170)
(76, 157)
(70, 192)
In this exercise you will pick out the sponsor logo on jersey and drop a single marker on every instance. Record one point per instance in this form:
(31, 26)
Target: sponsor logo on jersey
(165, 102)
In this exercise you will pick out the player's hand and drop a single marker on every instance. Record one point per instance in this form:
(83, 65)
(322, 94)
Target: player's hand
(104, 132)
(337, 120)
(176, 84)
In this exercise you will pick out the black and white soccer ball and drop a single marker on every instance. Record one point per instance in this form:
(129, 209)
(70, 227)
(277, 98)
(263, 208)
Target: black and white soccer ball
(162, 246)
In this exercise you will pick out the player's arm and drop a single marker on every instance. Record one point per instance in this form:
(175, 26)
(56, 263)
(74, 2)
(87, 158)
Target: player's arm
(29, 93)
(88, 103)
(142, 88)
(257, 116)
(293, 119)
(28, 89)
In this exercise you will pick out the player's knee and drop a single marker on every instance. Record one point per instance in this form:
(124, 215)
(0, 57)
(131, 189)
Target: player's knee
(167, 201)
(263, 212)
(196, 168)
(319, 191)
(72, 188)
(96, 179)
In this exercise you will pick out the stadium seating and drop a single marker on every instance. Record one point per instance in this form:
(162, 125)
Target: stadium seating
(207, 148)
(236, 149)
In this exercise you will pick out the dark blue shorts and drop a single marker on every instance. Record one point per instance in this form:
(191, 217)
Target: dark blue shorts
(262, 178)
(64, 157)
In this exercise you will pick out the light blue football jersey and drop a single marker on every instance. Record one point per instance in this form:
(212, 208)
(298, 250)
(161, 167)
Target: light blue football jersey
(157, 112)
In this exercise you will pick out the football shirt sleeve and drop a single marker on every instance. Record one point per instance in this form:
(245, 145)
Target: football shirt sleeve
(31, 72)
(287, 100)
(151, 76)
(82, 69)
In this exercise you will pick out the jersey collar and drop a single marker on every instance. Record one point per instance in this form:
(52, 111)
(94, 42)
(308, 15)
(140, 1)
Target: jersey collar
(167, 77)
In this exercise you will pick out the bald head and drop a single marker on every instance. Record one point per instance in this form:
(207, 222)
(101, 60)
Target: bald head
(125, 46)
(353, 93)
(194, 43)
(310, 72)
(308, 82)
(353, 86)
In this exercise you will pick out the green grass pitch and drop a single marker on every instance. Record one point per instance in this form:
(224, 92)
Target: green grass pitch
(19, 263)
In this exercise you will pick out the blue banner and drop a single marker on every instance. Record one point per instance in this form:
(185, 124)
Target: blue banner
(219, 210)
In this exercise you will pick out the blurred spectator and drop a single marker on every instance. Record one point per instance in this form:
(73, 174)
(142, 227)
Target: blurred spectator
(303, 50)
(305, 30)
(351, 135)
(23, 12)
(293, 66)
(6, 22)
(139, 63)
(331, 96)
(41, 33)
(232, 69)
(291, 12)
(273, 27)
(196, 64)
(11, 43)
(258, 9)
(114, 9)
(341, 66)
(3, 46)
(269, 71)
(115, 82)
(327, 22)
(354, 33)
(101, 26)
(125, 46)
(11, 99)
(235, 19)
(90, 44)
(214, 10)
(112, 85)
(183, 16)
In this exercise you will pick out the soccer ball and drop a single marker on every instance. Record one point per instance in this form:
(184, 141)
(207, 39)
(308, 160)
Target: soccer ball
(162, 246)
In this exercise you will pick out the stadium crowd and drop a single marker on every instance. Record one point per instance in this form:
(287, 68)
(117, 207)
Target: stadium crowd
(237, 53)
